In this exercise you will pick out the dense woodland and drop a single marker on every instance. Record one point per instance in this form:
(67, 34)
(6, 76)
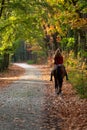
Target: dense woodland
(44, 25)
(34, 29)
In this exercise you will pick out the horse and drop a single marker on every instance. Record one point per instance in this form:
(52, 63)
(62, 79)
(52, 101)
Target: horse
(58, 79)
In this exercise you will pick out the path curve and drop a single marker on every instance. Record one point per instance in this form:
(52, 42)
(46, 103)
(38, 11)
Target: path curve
(22, 103)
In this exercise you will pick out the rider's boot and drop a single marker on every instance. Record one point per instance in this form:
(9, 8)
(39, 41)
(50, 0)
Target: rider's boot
(51, 78)
(52, 74)
(67, 77)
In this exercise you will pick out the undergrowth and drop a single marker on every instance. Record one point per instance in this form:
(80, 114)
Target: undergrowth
(77, 71)
(79, 81)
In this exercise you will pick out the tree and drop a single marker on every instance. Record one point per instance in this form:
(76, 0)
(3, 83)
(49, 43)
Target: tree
(20, 20)
(25, 19)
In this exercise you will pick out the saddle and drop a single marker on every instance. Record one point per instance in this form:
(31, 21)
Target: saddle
(62, 70)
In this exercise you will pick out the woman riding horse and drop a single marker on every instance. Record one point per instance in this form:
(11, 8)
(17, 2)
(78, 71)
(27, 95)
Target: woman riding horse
(59, 70)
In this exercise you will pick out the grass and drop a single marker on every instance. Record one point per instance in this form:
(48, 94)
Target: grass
(31, 62)
(78, 79)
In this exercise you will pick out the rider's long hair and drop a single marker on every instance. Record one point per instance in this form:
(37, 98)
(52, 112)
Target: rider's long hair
(57, 53)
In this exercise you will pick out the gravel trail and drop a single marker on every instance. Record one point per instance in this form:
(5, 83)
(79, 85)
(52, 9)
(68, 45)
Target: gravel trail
(22, 103)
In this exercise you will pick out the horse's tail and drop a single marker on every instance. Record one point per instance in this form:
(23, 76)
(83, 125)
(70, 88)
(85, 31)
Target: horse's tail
(59, 73)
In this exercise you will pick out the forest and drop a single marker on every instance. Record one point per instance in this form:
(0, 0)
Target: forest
(39, 27)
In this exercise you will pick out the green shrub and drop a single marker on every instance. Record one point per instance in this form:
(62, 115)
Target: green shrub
(79, 82)
(31, 62)
(77, 74)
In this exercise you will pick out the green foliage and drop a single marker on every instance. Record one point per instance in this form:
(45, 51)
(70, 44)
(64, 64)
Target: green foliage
(1, 60)
(84, 53)
(24, 20)
(67, 43)
(31, 62)
(19, 51)
(41, 56)
(78, 79)
(77, 74)
(70, 43)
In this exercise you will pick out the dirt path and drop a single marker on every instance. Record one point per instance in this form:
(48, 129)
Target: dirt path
(24, 105)
(30, 103)
(70, 107)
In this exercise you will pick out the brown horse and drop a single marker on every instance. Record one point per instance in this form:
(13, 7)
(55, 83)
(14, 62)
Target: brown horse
(59, 74)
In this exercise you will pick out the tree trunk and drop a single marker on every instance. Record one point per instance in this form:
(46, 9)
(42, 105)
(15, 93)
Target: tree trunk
(5, 62)
(2, 6)
(76, 43)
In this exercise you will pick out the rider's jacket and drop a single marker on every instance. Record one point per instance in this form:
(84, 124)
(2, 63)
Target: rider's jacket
(58, 60)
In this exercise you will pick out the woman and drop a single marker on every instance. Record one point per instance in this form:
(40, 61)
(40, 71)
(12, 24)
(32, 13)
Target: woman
(58, 61)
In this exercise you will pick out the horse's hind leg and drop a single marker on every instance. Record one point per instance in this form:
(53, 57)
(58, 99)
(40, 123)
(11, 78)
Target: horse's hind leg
(60, 87)
(56, 86)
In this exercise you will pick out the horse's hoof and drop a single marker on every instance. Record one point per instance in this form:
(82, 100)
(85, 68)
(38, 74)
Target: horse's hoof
(51, 80)
(56, 91)
(61, 93)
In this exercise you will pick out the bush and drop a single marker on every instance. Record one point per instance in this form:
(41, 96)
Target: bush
(77, 74)
(79, 82)
(31, 62)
